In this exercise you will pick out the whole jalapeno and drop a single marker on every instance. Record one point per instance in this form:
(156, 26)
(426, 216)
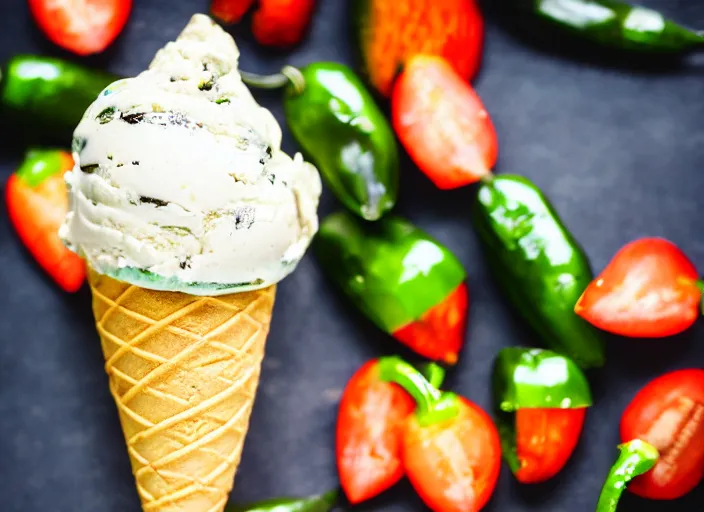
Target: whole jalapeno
(337, 123)
(407, 283)
(49, 93)
(319, 503)
(615, 24)
(538, 264)
(541, 400)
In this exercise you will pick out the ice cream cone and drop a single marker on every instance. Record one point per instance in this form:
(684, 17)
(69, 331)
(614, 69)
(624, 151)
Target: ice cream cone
(183, 371)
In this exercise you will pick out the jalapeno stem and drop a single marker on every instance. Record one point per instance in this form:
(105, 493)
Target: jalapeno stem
(700, 285)
(433, 405)
(288, 74)
(434, 373)
(636, 457)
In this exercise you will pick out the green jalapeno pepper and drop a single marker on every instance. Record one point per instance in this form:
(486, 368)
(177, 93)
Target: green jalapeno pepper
(540, 399)
(398, 276)
(540, 267)
(339, 126)
(635, 458)
(48, 92)
(319, 503)
(616, 24)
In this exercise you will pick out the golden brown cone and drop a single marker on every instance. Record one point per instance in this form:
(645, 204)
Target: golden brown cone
(183, 371)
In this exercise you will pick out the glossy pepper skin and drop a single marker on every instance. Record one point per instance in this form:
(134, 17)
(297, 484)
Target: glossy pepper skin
(391, 31)
(451, 450)
(442, 123)
(338, 124)
(616, 25)
(540, 400)
(320, 503)
(635, 458)
(650, 289)
(49, 94)
(37, 203)
(669, 414)
(370, 422)
(282, 23)
(398, 276)
(538, 264)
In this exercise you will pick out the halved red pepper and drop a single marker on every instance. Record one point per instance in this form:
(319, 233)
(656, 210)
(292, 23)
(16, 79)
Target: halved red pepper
(668, 413)
(392, 31)
(37, 202)
(370, 424)
(650, 289)
(81, 26)
(442, 123)
(230, 11)
(282, 23)
(541, 399)
(451, 450)
(405, 281)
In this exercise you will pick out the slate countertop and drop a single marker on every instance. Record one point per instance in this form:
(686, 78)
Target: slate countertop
(620, 151)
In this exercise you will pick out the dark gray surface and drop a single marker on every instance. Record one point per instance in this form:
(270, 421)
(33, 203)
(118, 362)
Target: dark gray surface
(620, 152)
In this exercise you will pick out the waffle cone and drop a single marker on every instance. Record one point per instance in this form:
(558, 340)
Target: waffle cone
(183, 371)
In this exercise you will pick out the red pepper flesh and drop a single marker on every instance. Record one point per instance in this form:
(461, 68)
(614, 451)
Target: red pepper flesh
(370, 424)
(282, 23)
(442, 123)
(393, 31)
(230, 11)
(648, 290)
(36, 212)
(545, 440)
(453, 464)
(439, 333)
(668, 413)
(83, 27)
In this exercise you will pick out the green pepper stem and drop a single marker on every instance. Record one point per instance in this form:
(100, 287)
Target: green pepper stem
(434, 373)
(700, 285)
(433, 405)
(635, 458)
(288, 74)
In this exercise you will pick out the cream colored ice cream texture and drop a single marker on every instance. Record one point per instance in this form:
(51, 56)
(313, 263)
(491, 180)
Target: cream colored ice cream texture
(180, 182)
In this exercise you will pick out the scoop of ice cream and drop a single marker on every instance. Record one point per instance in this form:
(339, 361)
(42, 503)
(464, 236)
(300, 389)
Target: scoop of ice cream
(180, 182)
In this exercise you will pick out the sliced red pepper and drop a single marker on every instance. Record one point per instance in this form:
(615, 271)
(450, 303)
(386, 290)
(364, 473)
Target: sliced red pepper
(668, 413)
(442, 123)
(393, 31)
(648, 290)
(81, 26)
(370, 424)
(439, 333)
(37, 203)
(282, 23)
(545, 440)
(230, 11)
(453, 464)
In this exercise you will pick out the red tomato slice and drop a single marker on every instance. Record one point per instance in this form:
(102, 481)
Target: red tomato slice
(439, 333)
(370, 424)
(442, 123)
(648, 290)
(453, 465)
(669, 414)
(545, 440)
(81, 26)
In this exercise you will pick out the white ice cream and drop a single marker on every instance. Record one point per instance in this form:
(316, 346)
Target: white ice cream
(180, 182)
